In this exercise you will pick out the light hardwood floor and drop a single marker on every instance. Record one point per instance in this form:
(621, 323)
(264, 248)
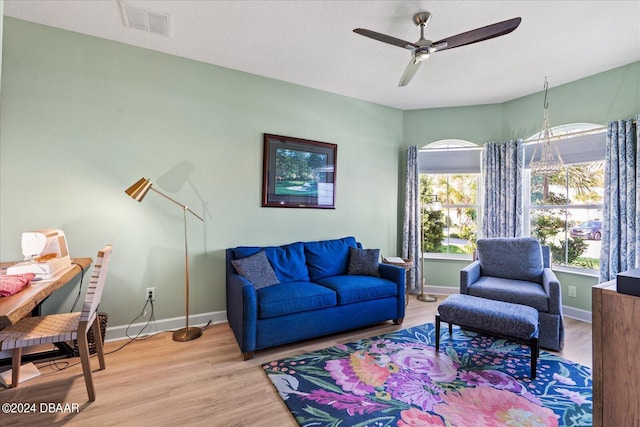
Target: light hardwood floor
(160, 382)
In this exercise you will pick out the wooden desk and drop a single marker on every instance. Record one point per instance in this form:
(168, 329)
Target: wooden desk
(616, 344)
(17, 306)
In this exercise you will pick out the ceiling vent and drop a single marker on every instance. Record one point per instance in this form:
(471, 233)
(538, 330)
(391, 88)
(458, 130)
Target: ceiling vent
(146, 20)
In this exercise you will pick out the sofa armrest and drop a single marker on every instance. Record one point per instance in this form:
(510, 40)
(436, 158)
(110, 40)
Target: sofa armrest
(469, 275)
(242, 311)
(551, 286)
(396, 275)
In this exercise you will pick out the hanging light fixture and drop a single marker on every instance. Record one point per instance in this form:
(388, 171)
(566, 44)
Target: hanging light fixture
(550, 161)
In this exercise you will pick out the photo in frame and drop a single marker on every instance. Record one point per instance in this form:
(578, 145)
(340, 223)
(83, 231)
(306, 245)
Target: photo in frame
(298, 173)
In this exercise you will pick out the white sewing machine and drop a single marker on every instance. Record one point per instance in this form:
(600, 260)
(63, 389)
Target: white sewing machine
(45, 254)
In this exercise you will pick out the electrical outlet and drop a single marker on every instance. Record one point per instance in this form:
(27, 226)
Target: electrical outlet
(151, 293)
(572, 291)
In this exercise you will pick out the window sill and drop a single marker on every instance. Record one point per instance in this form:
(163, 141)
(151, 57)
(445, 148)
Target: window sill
(448, 257)
(576, 271)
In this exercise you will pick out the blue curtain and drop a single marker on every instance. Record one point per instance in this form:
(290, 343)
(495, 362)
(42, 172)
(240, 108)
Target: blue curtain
(411, 230)
(621, 223)
(503, 168)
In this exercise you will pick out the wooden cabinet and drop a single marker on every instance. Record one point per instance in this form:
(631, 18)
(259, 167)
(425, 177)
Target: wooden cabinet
(616, 357)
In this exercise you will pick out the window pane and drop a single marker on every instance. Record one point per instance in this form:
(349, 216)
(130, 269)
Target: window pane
(453, 228)
(567, 214)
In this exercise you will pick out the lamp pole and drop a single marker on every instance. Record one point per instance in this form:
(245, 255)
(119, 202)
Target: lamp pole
(137, 192)
(422, 296)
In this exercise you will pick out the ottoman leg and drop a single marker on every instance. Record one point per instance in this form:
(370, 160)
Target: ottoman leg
(450, 329)
(437, 332)
(535, 352)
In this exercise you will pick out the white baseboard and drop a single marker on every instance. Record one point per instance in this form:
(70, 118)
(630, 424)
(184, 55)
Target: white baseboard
(576, 313)
(115, 333)
(441, 290)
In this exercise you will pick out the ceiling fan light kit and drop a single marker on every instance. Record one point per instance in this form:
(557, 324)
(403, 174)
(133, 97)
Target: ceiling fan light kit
(423, 48)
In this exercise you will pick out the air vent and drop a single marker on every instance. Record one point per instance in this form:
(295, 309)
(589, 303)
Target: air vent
(145, 20)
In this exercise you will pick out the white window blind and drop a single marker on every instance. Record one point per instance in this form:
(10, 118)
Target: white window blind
(576, 147)
(455, 160)
(580, 147)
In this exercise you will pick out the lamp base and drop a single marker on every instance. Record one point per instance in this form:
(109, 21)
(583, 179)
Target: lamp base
(426, 298)
(186, 334)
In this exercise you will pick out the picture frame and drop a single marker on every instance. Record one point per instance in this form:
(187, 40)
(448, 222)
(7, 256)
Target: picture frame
(298, 173)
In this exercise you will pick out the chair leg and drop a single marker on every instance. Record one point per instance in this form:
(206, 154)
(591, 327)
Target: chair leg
(83, 349)
(16, 357)
(437, 332)
(535, 353)
(97, 335)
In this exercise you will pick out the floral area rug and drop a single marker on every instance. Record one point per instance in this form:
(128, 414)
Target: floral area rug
(399, 379)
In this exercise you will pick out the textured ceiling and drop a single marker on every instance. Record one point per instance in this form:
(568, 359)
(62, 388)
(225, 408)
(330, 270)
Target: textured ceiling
(311, 43)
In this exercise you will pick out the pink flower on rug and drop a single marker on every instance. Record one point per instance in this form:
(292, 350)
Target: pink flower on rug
(416, 418)
(574, 396)
(414, 389)
(425, 360)
(359, 374)
(489, 407)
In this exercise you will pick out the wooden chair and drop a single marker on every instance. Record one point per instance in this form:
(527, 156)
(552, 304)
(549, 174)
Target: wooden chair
(54, 328)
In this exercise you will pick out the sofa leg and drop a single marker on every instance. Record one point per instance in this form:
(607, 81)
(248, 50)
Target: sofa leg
(247, 355)
(398, 321)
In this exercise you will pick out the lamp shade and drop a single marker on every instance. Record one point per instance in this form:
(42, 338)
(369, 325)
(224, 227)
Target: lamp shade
(140, 189)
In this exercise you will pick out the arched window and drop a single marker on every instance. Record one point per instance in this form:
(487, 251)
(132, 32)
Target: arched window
(564, 210)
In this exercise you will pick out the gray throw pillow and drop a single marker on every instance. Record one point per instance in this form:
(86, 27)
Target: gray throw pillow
(256, 269)
(364, 262)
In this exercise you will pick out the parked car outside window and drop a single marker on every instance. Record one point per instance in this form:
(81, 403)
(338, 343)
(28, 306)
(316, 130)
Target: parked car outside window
(590, 230)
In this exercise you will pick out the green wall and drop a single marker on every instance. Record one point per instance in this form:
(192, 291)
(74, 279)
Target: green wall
(83, 118)
(599, 99)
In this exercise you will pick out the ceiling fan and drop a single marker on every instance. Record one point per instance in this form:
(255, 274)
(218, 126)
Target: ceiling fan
(423, 48)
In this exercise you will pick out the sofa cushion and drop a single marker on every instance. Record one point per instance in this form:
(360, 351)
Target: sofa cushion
(256, 269)
(328, 257)
(510, 290)
(293, 297)
(288, 261)
(352, 289)
(511, 258)
(364, 261)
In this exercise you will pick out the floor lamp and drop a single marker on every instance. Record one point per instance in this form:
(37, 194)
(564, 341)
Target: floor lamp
(137, 192)
(434, 204)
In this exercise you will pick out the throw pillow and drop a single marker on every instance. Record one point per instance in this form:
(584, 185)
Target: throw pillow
(364, 262)
(256, 269)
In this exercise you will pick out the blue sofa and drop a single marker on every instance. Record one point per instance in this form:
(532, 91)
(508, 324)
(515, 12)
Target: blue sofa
(306, 290)
(518, 270)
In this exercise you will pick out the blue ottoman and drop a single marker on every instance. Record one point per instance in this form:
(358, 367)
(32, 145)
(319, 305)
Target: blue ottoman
(497, 318)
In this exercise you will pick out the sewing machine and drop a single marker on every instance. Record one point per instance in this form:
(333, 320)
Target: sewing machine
(45, 254)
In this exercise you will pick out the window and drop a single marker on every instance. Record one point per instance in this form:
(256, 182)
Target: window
(450, 170)
(564, 210)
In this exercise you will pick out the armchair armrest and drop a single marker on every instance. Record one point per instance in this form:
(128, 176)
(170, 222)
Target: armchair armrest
(397, 275)
(551, 286)
(469, 275)
(242, 311)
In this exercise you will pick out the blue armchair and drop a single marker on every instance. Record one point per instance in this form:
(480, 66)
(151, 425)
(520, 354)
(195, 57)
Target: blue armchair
(518, 270)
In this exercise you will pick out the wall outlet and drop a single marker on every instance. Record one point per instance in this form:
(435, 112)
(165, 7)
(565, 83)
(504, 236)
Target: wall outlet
(151, 292)
(572, 291)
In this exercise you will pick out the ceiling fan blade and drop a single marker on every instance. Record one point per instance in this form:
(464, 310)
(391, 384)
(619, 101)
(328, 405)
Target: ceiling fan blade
(385, 38)
(409, 72)
(480, 34)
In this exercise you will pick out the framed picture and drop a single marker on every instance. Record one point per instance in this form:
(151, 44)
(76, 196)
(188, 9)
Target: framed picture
(298, 173)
